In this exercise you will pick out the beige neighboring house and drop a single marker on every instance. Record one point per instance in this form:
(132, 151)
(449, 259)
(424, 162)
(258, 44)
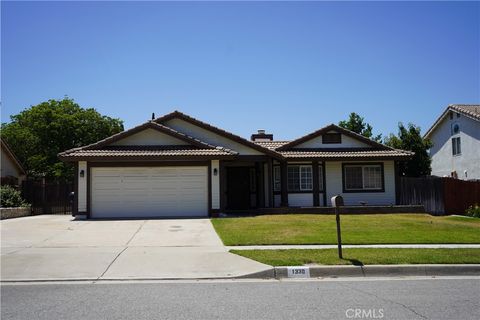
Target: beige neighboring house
(12, 171)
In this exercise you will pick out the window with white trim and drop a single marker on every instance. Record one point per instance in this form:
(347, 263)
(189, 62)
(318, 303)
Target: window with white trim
(363, 177)
(276, 178)
(299, 178)
(456, 146)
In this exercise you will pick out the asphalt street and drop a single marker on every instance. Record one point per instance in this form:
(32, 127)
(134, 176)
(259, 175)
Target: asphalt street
(346, 298)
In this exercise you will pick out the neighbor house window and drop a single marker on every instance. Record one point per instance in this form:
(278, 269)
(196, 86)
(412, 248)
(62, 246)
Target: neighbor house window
(363, 177)
(299, 178)
(276, 178)
(329, 138)
(456, 146)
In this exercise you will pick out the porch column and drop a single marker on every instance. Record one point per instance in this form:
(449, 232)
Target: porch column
(316, 184)
(270, 183)
(284, 181)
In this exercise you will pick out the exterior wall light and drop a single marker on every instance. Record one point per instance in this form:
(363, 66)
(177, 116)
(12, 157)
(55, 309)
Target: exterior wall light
(215, 171)
(82, 173)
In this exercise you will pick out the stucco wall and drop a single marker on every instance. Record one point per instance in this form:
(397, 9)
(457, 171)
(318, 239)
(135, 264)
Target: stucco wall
(333, 172)
(443, 161)
(300, 199)
(210, 137)
(149, 137)
(215, 184)
(8, 167)
(347, 142)
(82, 187)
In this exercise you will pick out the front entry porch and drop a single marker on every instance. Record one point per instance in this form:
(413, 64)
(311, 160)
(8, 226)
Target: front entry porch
(244, 185)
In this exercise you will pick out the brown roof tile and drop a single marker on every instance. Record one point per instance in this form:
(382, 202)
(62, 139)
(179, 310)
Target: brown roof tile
(469, 110)
(148, 151)
(346, 154)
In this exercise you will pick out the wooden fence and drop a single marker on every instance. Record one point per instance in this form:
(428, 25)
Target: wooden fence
(439, 195)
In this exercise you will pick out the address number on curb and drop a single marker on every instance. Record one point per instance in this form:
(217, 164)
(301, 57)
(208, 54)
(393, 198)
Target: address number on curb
(298, 272)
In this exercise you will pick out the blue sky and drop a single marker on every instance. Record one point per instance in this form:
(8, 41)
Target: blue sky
(287, 67)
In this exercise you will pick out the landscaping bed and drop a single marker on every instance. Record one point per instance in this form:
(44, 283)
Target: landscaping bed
(356, 229)
(362, 256)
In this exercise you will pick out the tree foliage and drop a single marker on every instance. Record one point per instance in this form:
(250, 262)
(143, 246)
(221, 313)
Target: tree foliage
(357, 124)
(410, 138)
(37, 134)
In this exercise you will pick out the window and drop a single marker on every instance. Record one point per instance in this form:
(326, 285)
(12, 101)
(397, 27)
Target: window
(276, 178)
(329, 138)
(456, 146)
(455, 129)
(299, 178)
(363, 177)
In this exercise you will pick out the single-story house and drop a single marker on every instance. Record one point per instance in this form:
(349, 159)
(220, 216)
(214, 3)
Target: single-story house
(11, 170)
(176, 166)
(456, 142)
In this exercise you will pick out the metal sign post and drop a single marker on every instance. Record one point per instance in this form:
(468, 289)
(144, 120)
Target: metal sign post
(337, 202)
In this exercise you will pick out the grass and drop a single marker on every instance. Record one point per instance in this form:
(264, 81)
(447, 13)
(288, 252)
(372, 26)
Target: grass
(356, 229)
(363, 256)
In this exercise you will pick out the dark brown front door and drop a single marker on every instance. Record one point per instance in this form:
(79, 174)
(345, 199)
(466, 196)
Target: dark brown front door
(238, 188)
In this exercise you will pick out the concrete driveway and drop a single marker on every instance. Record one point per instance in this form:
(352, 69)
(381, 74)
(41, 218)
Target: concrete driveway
(52, 247)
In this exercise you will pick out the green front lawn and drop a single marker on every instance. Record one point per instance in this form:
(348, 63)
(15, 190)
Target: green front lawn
(293, 257)
(356, 229)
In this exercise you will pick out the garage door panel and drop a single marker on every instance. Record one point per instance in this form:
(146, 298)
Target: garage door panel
(149, 192)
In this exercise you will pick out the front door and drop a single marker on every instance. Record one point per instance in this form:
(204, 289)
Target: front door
(238, 188)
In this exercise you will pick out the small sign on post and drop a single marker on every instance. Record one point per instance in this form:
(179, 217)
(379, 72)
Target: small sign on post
(337, 202)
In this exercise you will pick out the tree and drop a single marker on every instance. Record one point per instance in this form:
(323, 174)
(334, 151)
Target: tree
(37, 134)
(357, 124)
(411, 139)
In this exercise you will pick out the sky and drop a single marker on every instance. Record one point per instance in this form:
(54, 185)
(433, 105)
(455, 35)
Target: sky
(287, 67)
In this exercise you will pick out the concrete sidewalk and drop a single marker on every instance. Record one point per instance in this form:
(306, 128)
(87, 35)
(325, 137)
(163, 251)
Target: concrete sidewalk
(52, 247)
(334, 246)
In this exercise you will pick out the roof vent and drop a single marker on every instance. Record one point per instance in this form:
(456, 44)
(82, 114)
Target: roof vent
(261, 136)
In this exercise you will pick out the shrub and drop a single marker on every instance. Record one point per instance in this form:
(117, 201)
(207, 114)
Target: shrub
(473, 211)
(10, 197)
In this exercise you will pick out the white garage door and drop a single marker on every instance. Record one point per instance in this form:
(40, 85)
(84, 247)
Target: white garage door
(149, 192)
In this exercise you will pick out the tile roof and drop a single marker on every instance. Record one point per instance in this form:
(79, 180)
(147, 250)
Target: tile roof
(472, 110)
(148, 151)
(346, 154)
(335, 153)
(197, 148)
(272, 145)
(469, 110)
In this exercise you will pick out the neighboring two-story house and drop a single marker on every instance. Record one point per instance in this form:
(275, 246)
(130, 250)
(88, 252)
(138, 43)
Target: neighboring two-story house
(456, 142)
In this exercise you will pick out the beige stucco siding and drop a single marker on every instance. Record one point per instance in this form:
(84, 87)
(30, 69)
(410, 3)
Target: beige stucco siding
(8, 167)
(347, 142)
(215, 184)
(149, 137)
(210, 137)
(82, 187)
(333, 173)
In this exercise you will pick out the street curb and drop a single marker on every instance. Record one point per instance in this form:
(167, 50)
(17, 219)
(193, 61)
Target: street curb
(385, 270)
(334, 271)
